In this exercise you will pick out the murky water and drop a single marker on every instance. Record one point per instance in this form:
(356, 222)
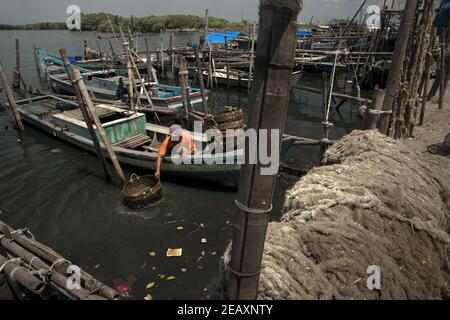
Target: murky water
(59, 193)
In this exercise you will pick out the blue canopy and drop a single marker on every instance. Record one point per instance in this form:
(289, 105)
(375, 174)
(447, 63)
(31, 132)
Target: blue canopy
(443, 15)
(304, 34)
(219, 37)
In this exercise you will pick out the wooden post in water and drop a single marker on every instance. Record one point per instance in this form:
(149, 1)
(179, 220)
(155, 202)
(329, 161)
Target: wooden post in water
(162, 52)
(183, 84)
(131, 85)
(443, 72)
(206, 31)
(150, 70)
(269, 103)
(200, 79)
(252, 52)
(11, 101)
(426, 80)
(17, 76)
(86, 115)
(398, 57)
(85, 99)
(371, 115)
(36, 61)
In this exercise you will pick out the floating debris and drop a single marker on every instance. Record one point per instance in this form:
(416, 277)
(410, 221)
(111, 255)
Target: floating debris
(152, 254)
(174, 253)
(148, 297)
(150, 285)
(204, 240)
(171, 278)
(183, 270)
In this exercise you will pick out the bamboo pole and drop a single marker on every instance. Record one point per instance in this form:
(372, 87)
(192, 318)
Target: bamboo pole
(47, 254)
(371, 115)
(131, 85)
(11, 101)
(36, 61)
(150, 70)
(90, 106)
(86, 115)
(269, 103)
(206, 31)
(183, 79)
(443, 74)
(252, 52)
(22, 275)
(162, 52)
(200, 79)
(398, 57)
(17, 76)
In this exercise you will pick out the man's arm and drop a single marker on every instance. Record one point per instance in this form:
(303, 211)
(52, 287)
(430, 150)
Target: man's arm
(158, 167)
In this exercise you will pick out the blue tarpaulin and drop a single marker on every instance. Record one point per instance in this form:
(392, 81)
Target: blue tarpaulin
(443, 16)
(219, 37)
(304, 34)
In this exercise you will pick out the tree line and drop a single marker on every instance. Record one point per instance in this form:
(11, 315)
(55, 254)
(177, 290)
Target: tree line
(99, 22)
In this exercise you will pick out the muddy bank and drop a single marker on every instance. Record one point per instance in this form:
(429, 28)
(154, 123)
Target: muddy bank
(375, 202)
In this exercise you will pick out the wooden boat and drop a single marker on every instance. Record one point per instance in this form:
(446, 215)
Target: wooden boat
(103, 84)
(236, 78)
(135, 142)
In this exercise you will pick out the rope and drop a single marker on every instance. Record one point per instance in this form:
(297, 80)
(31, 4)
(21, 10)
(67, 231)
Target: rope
(13, 260)
(57, 262)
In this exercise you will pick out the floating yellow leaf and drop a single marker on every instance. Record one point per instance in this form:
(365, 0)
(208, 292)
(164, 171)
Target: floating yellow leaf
(214, 253)
(161, 276)
(152, 254)
(150, 285)
(199, 267)
(203, 253)
(183, 270)
(227, 222)
(170, 278)
(204, 240)
(180, 228)
(202, 225)
(97, 266)
(205, 289)
(148, 297)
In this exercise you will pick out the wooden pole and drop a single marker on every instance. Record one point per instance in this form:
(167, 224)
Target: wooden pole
(206, 31)
(371, 115)
(398, 57)
(172, 54)
(86, 115)
(252, 52)
(16, 82)
(426, 80)
(87, 99)
(131, 85)
(11, 101)
(443, 73)
(162, 51)
(269, 103)
(200, 79)
(36, 61)
(183, 79)
(150, 70)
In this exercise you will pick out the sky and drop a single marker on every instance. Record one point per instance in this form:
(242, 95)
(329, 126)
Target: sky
(29, 11)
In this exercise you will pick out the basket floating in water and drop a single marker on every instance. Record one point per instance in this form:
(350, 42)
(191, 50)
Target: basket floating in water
(141, 192)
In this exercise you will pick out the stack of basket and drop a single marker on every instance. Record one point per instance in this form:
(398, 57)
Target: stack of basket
(231, 119)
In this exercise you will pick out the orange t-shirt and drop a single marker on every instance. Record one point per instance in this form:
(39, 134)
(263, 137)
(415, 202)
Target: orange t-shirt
(185, 140)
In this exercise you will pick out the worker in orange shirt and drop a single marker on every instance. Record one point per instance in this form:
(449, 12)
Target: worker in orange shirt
(177, 137)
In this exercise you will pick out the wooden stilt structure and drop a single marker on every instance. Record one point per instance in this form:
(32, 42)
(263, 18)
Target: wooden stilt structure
(11, 101)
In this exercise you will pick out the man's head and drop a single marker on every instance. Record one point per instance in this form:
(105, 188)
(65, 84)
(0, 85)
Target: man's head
(175, 132)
